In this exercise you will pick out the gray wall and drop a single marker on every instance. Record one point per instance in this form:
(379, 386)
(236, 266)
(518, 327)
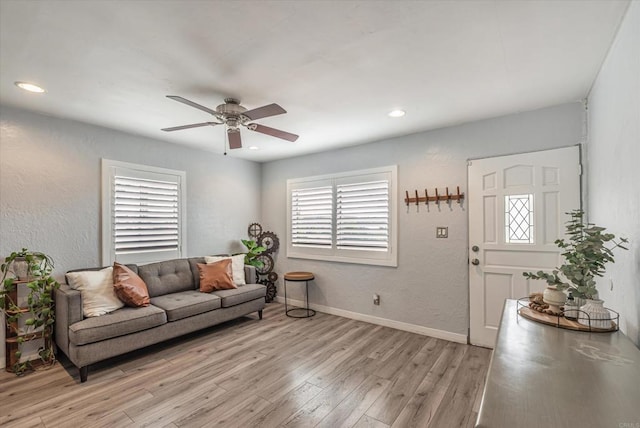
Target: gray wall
(50, 189)
(613, 168)
(429, 288)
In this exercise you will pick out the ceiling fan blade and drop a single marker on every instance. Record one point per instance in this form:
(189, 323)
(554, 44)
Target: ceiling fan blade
(273, 132)
(235, 141)
(194, 125)
(264, 111)
(192, 104)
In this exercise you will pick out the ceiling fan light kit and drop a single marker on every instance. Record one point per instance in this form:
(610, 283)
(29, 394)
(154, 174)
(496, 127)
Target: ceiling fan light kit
(234, 115)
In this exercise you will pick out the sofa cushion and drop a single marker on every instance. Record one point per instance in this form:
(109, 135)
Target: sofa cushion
(117, 323)
(171, 276)
(129, 287)
(186, 303)
(134, 268)
(193, 264)
(243, 293)
(216, 276)
(96, 287)
(237, 266)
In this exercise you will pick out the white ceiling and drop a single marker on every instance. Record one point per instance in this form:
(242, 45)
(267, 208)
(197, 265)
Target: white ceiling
(337, 67)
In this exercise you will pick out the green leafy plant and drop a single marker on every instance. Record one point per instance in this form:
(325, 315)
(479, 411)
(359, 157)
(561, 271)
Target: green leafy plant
(253, 251)
(585, 255)
(39, 308)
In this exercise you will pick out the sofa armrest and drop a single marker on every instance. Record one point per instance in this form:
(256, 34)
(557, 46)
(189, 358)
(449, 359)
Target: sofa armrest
(250, 275)
(68, 312)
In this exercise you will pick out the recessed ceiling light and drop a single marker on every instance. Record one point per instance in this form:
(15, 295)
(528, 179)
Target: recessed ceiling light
(29, 87)
(397, 113)
(254, 148)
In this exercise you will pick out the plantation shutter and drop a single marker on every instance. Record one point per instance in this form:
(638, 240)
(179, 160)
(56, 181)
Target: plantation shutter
(362, 216)
(143, 215)
(311, 217)
(347, 217)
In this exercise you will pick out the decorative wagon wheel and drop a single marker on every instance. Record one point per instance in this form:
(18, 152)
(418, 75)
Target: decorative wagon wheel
(272, 276)
(255, 230)
(267, 265)
(270, 241)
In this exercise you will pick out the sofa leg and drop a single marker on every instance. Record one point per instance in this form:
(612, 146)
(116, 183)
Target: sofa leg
(84, 372)
(260, 314)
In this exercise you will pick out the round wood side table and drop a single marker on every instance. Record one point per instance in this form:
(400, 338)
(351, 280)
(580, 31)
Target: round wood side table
(298, 277)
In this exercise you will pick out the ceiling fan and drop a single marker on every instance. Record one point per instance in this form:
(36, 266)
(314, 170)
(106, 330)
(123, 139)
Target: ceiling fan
(233, 115)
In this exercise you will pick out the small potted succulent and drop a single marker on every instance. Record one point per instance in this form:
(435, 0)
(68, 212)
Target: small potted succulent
(586, 252)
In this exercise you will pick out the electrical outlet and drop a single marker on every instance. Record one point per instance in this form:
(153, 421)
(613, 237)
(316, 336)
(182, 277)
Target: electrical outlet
(376, 299)
(442, 232)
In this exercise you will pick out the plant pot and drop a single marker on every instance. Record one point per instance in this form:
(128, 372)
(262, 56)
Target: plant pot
(20, 268)
(554, 298)
(594, 314)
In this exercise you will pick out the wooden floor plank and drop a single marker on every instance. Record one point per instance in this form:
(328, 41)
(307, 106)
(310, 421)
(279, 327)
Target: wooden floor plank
(222, 408)
(164, 405)
(369, 422)
(331, 396)
(353, 407)
(33, 422)
(402, 356)
(397, 395)
(279, 371)
(282, 409)
(117, 419)
(461, 394)
(424, 404)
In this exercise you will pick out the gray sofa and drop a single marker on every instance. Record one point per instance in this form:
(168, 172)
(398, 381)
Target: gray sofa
(177, 307)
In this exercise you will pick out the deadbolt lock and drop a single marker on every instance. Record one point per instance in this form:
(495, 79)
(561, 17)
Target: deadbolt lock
(475, 248)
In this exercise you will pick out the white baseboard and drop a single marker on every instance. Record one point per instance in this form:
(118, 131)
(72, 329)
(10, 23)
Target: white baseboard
(398, 325)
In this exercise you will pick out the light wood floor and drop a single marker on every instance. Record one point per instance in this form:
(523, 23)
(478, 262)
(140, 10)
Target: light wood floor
(324, 371)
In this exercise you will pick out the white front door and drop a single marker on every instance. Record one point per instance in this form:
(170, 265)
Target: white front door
(517, 207)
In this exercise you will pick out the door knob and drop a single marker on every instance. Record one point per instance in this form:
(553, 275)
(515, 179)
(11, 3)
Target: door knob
(475, 262)
(475, 248)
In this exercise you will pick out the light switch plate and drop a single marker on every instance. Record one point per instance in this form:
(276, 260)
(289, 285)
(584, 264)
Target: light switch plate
(442, 232)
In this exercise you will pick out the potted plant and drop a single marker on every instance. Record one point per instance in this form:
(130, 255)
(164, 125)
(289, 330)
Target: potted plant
(38, 308)
(586, 252)
(253, 251)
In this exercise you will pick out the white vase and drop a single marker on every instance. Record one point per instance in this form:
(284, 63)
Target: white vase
(554, 298)
(594, 314)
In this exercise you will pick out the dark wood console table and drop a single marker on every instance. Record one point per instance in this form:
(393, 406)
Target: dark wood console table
(544, 376)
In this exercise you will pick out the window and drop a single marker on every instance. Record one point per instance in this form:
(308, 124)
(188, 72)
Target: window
(348, 217)
(312, 217)
(518, 219)
(143, 213)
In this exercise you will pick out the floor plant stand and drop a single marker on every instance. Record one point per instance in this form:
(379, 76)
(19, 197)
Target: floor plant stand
(16, 336)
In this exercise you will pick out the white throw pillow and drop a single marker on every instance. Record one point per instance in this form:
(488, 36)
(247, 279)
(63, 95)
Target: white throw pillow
(237, 266)
(98, 295)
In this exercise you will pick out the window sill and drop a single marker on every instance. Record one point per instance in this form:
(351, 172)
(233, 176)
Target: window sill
(342, 259)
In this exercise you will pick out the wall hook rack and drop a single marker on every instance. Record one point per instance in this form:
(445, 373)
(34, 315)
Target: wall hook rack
(434, 198)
